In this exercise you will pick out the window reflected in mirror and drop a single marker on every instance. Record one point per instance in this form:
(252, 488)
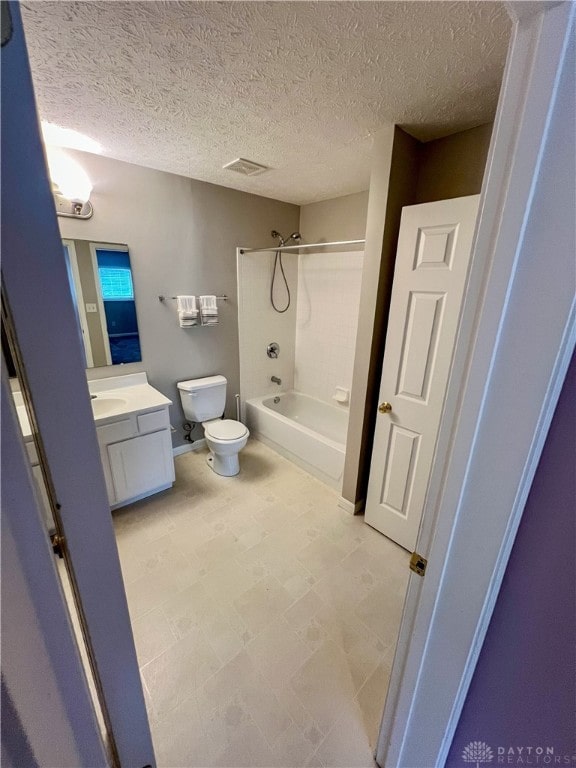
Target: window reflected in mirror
(102, 287)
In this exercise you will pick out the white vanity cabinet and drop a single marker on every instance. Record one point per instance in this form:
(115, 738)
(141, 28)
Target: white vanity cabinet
(134, 435)
(136, 453)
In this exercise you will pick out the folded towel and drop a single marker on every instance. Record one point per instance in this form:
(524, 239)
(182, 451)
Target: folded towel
(187, 311)
(208, 310)
(208, 302)
(186, 304)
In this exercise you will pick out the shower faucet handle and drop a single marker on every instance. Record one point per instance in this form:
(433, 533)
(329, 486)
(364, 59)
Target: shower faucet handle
(273, 349)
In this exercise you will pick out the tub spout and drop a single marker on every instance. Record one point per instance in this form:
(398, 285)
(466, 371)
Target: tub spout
(276, 380)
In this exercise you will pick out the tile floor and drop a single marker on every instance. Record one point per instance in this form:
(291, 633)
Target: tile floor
(264, 617)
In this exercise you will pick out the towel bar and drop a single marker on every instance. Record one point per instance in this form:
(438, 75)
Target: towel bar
(163, 298)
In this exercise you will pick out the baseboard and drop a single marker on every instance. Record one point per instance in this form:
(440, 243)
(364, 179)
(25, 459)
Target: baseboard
(350, 507)
(187, 447)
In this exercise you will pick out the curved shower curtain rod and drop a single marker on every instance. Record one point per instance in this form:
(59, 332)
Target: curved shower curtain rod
(302, 245)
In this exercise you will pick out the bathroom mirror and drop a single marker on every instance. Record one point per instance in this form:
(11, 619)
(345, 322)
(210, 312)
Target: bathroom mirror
(101, 283)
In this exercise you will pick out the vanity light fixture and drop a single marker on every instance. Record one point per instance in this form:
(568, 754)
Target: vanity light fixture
(73, 209)
(70, 185)
(70, 182)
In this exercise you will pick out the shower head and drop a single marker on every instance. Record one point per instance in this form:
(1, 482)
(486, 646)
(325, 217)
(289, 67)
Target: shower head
(296, 236)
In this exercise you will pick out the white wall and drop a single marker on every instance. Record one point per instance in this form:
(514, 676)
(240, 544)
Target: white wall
(259, 324)
(182, 235)
(327, 321)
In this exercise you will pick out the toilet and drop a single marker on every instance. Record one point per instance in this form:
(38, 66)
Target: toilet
(203, 401)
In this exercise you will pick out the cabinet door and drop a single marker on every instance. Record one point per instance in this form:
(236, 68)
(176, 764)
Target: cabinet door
(141, 464)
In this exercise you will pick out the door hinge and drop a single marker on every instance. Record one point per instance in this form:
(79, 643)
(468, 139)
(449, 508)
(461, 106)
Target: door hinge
(57, 542)
(418, 564)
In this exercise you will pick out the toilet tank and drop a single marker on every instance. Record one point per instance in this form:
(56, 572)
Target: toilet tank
(203, 399)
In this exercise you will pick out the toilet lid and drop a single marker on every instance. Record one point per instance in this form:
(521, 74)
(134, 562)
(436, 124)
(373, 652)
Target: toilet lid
(226, 429)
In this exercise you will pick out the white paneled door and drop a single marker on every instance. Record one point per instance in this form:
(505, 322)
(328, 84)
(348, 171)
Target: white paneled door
(434, 247)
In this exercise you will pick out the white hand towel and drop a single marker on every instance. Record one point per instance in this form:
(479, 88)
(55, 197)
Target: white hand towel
(187, 311)
(208, 310)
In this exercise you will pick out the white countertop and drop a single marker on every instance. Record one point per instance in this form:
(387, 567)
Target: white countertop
(125, 394)
(127, 400)
(119, 395)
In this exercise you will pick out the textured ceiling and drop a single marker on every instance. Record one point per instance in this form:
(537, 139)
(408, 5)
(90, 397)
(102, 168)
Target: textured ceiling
(299, 86)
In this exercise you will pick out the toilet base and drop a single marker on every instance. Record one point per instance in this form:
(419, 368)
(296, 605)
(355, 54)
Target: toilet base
(227, 466)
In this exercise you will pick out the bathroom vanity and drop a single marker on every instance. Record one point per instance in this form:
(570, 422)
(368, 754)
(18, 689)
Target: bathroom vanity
(133, 429)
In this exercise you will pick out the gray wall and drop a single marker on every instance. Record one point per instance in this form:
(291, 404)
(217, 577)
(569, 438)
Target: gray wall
(341, 218)
(392, 186)
(182, 235)
(453, 166)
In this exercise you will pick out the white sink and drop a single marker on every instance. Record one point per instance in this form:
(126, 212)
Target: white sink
(120, 396)
(107, 406)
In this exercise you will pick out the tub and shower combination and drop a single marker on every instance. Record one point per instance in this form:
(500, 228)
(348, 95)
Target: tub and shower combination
(309, 432)
(297, 325)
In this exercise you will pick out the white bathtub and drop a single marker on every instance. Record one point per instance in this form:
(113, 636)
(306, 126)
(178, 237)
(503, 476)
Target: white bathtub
(309, 432)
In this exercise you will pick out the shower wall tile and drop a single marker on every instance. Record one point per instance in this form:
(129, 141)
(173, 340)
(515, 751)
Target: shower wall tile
(327, 321)
(259, 324)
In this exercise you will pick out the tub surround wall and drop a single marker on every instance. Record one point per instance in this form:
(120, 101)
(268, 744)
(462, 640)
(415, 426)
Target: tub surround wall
(182, 235)
(326, 322)
(259, 324)
(317, 335)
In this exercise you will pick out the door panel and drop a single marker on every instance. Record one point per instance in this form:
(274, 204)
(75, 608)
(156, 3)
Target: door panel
(399, 473)
(434, 247)
(418, 352)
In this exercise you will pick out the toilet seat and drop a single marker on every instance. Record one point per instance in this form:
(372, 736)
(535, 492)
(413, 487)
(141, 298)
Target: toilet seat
(225, 430)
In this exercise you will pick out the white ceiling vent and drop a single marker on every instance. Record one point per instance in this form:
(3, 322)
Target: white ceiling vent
(245, 167)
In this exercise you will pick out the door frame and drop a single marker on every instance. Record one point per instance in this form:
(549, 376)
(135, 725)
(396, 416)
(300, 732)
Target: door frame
(451, 607)
(80, 305)
(43, 678)
(51, 352)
